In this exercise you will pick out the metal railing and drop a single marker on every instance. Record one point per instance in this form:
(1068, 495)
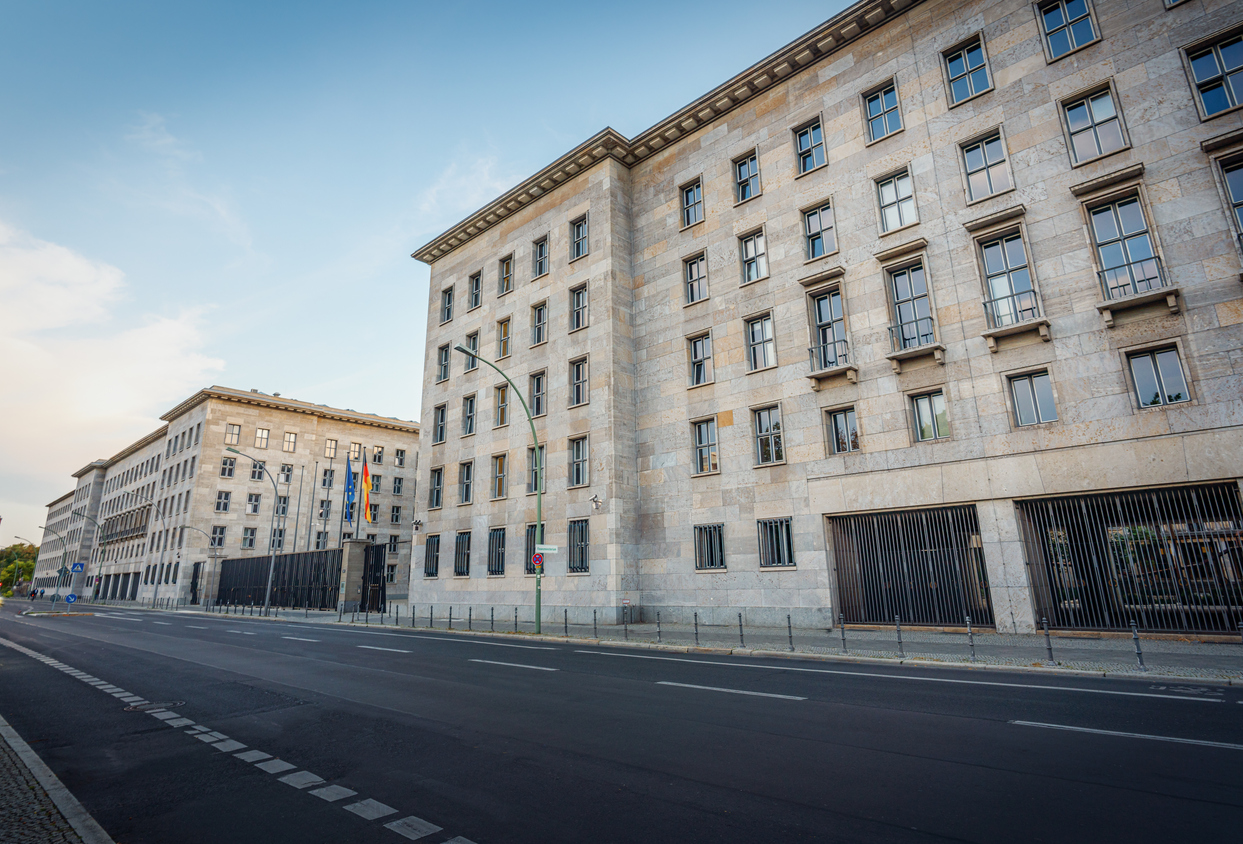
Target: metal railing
(1012, 309)
(1133, 278)
(913, 334)
(829, 355)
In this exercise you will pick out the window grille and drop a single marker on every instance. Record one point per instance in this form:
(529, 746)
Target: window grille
(776, 542)
(580, 545)
(709, 546)
(461, 555)
(496, 551)
(431, 556)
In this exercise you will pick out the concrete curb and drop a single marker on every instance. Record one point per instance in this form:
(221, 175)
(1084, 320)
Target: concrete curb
(87, 828)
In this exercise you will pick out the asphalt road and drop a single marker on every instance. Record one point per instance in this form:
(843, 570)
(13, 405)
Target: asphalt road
(505, 742)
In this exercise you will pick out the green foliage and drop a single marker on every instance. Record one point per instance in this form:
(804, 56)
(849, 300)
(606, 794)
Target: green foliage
(17, 562)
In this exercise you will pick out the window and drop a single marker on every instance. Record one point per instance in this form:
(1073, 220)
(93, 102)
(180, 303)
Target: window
(465, 481)
(692, 203)
(399, 457)
(768, 448)
(578, 238)
(701, 359)
(809, 144)
(882, 112)
(261, 437)
(579, 475)
(746, 178)
(1067, 26)
(217, 536)
(290, 445)
(539, 257)
(377, 454)
(371, 537)
(330, 449)
(578, 307)
(474, 291)
(1033, 398)
(356, 452)
(329, 476)
(398, 483)
(776, 542)
(818, 230)
(528, 563)
(278, 539)
(248, 537)
(472, 346)
(832, 349)
(496, 551)
(1008, 281)
(704, 432)
(431, 556)
(446, 305)
(499, 466)
(461, 555)
(1158, 378)
(282, 505)
(754, 260)
(1234, 185)
(931, 420)
(394, 516)
(538, 393)
(912, 308)
(761, 349)
(256, 470)
(321, 540)
(709, 546)
(468, 415)
(505, 275)
(580, 546)
(373, 515)
(375, 483)
(442, 365)
(222, 501)
(252, 503)
(695, 276)
(968, 74)
(897, 202)
(435, 488)
(232, 434)
(843, 433)
(1128, 263)
(227, 466)
(533, 470)
(438, 424)
(1094, 126)
(985, 162)
(578, 382)
(325, 508)
(502, 338)
(1218, 74)
(539, 323)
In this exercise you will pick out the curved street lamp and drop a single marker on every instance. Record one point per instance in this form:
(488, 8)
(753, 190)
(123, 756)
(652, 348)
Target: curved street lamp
(276, 497)
(62, 571)
(539, 475)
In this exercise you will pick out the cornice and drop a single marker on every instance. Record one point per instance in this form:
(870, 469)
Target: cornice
(258, 399)
(797, 56)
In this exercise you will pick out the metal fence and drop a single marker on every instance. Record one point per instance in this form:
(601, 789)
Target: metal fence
(1169, 559)
(308, 579)
(922, 566)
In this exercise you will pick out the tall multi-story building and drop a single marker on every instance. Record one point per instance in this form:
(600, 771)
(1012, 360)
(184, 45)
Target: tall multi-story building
(935, 312)
(179, 499)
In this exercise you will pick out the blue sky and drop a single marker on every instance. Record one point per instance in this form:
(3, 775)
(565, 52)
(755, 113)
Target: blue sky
(228, 193)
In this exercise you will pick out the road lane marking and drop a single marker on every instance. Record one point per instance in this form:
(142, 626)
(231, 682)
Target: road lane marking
(730, 691)
(300, 639)
(904, 677)
(118, 618)
(374, 648)
(196, 627)
(1173, 739)
(473, 642)
(165, 623)
(516, 665)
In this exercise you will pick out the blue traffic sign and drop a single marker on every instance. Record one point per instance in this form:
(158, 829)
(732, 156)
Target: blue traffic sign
(70, 598)
(77, 567)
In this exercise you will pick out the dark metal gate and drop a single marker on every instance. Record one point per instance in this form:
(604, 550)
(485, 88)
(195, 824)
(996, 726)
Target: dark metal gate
(925, 566)
(1168, 559)
(308, 579)
(373, 589)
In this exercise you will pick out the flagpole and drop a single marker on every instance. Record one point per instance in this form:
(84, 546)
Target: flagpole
(298, 513)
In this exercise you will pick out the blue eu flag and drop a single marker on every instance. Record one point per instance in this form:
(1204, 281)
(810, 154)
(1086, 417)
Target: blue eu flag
(349, 492)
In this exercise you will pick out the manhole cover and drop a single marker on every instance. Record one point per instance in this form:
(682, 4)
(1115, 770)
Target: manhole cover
(163, 704)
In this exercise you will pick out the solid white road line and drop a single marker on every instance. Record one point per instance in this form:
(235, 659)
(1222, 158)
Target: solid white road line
(904, 677)
(1173, 739)
(516, 665)
(475, 642)
(373, 648)
(300, 639)
(118, 617)
(731, 691)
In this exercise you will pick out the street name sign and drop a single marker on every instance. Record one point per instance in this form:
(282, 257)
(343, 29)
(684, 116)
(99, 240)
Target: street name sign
(546, 549)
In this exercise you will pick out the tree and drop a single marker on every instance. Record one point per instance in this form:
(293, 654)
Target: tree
(17, 562)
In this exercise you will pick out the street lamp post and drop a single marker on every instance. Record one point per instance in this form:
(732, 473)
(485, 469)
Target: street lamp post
(155, 593)
(102, 541)
(276, 497)
(212, 549)
(539, 476)
(62, 571)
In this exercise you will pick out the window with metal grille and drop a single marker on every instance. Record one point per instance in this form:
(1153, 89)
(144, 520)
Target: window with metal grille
(578, 307)
(578, 238)
(578, 382)
(985, 162)
(539, 257)
(931, 419)
(695, 274)
(709, 546)
(446, 304)
(1033, 398)
(692, 203)
(435, 488)
(580, 545)
(539, 323)
(896, 195)
(499, 468)
(579, 475)
(461, 555)
(776, 542)
(227, 466)
(831, 349)
(465, 481)
(754, 257)
(1067, 26)
(468, 415)
(502, 405)
(1011, 298)
(533, 469)
(472, 346)
(1218, 74)
(496, 551)
(431, 556)
(809, 146)
(474, 291)
(746, 177)
(704, 434)
(701, 359)
(505, 275)
(912, 308)
(818, 230)
(217, 536)
(442, 365)
(1158, 377)
(537, 394)
(761, 348)
(768, 445)
(883, 115)
(843, 432)
(1095, 126)
(528, 565)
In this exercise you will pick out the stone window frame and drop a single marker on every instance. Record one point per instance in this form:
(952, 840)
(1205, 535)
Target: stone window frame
(889, 82)
(755, 436)
(505, 339)
(499, 480)
(928, 390)
(501, 409)
(583, 218)
(979, 137)
(826, 415)
(1184, 56)
(1156, 345)
(1049, 58)
(473, 416)
(703, 207)
(903, 262)
(464, 484)
(818, 117)
(474, 290)
(1221, 158)
(716, 445)
(472, 344)
(440, 423)
(829, 200)
(837, 284)
(1116, 191)
(443, 364)
(501, 275)
(543, 403)
(541, 303)
(752, 152)
(545, 239)
(586, 323)
(746, 322)
(434, 488)
(710, 529)
(1008, 394)
(1083, 94)
(893, 173)
(762, 231)
(684, 263)
(446, 304)
(1016, 223)
(585, 361)
(569, 462)
(690, 361)
(958, 46)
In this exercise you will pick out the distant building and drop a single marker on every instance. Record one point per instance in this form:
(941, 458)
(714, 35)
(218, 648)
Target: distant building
(933, 312)
(176, 500)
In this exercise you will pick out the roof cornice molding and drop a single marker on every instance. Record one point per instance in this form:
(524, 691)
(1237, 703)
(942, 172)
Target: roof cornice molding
(289, 405)
(797, 56)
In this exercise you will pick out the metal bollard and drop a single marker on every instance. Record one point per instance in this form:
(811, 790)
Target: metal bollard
(790, 631)
(742, 643)
(450, 616)
(595, 631)
(565, 622)
(470, 618)
(696, 629)
(971, 638)
(626, 622)
(1139, 654)
(898, 621)
(1241, 631)
(1048, 643)
(841, 625)
(397, 617)
(431, 616)
(492, 614)
(515, 619)
(658, 627)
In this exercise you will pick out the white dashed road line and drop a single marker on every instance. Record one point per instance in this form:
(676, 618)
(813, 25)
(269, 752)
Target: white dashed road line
(373, 648)
(196, 627)
(516, 665)
(300, 639)
(1175, 740)
(730, 691)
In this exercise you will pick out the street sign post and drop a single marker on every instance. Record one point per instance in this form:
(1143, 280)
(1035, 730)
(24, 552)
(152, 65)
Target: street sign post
(70, 598)
(77, 567)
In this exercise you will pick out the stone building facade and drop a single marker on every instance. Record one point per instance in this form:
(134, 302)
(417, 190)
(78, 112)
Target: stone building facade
(176, 501)
(934, 312)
